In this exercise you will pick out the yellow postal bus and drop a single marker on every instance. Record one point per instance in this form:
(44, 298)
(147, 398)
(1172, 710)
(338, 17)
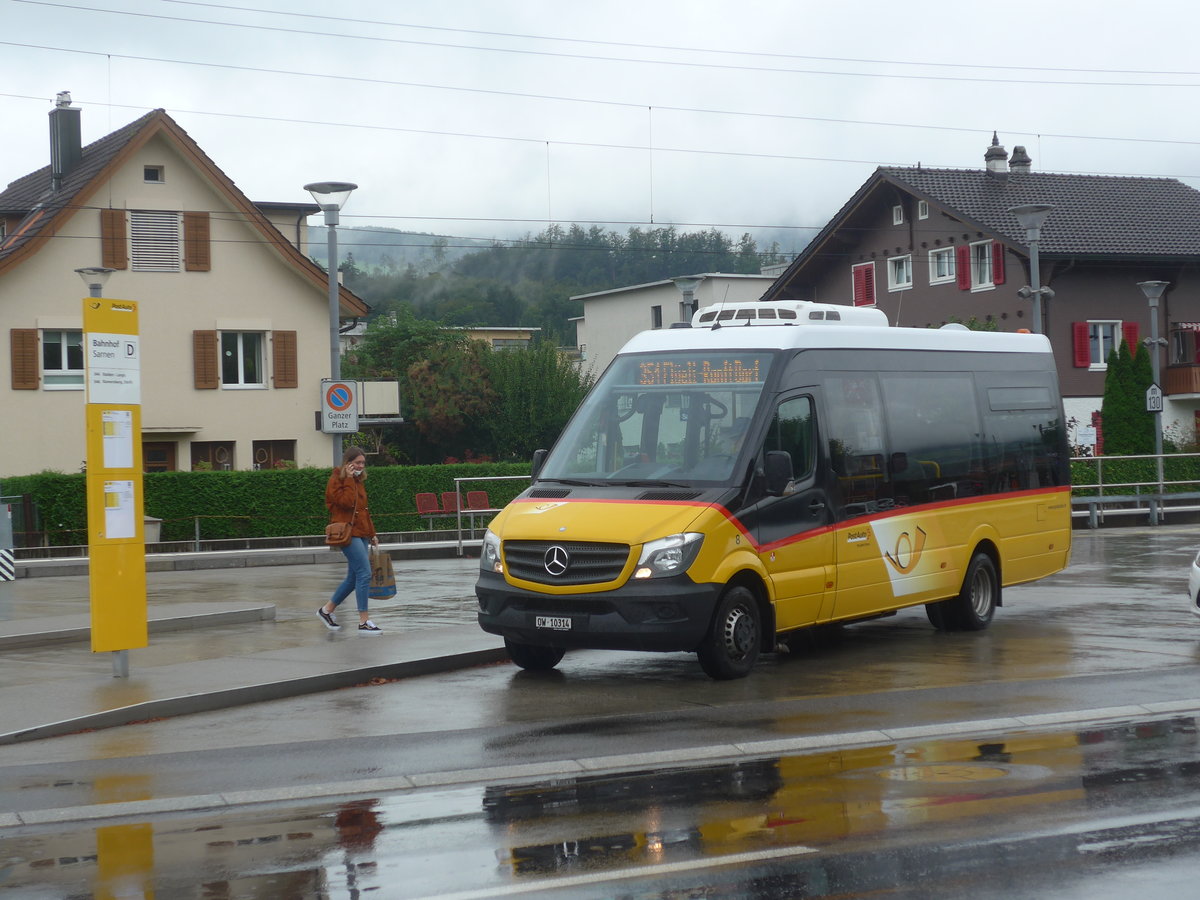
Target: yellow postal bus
(780, 466)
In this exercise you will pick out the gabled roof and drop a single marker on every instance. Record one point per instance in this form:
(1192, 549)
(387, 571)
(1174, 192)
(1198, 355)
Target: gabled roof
(1094, 216)
(44, 211)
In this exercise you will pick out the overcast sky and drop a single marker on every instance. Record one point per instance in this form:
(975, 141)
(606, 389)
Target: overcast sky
(492, 117)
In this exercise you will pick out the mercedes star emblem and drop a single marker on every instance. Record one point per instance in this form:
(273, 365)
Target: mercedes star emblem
(556, 560)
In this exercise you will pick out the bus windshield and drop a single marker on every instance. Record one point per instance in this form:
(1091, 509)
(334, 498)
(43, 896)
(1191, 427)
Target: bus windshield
(672, 418)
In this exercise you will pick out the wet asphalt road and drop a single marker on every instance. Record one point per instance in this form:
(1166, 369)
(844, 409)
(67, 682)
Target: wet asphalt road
(1111, 630)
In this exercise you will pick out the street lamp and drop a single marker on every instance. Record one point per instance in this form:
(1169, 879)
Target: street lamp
(1154, 291)
(687, 285)
(331, 196)
(94, 277)
(1031, 216)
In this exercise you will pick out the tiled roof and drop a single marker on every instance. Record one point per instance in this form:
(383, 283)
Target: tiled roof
(1093, 215)
(31, 195)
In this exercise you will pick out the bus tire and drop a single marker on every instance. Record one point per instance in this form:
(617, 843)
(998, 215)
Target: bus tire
(939, 615)
(734, 639)
(533, 657)
(976, 603)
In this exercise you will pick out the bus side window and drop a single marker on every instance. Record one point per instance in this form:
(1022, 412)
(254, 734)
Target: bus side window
(794, 430)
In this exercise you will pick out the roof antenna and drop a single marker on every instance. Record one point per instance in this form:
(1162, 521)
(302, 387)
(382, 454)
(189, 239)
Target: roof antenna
(720, 306)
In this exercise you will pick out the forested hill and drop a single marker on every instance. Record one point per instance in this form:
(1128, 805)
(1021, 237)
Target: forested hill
(528, 282)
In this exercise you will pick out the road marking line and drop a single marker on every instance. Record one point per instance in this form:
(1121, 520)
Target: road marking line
(638, 872)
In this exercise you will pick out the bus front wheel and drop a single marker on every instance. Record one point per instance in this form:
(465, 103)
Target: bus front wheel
(731, 647)
(533, 657)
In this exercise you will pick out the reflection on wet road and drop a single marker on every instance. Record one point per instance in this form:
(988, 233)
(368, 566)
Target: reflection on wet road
(921, 819)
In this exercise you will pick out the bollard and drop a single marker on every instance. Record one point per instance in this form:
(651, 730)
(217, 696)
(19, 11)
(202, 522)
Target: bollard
(8, 564)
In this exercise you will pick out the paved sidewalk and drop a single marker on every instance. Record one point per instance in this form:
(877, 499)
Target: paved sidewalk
(240, 630)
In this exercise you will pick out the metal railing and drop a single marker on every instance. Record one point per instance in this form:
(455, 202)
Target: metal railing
(471, 513)
(1152, 497)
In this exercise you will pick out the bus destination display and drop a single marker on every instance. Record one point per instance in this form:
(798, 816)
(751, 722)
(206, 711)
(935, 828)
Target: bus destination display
(703, 370)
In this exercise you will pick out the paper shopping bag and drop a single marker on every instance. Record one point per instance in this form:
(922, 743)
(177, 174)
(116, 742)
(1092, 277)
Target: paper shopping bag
(383, 576)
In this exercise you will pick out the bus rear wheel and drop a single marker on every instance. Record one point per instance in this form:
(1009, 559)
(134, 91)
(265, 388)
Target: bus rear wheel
(732, 645)
(976, 603)
(532, 656)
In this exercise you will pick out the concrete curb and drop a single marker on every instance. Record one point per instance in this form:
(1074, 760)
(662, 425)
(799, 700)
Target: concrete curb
(255, 693)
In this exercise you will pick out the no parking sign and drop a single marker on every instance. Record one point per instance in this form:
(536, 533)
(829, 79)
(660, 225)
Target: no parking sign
(339, 406)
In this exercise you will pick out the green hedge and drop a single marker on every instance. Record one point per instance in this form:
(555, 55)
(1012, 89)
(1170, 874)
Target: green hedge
(1136, 471)
(270, 503)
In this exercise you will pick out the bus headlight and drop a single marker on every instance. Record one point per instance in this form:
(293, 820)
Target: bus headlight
(489, 553)
(668, 556)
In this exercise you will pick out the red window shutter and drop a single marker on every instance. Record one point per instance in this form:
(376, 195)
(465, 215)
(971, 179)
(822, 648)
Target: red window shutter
(864, 284)
(997, 263)
(204, 360)
(114, 240)
(1129, 330)
(197, 248)
(1079, 343)
(24, 345)
(962, 266)
(283, 356)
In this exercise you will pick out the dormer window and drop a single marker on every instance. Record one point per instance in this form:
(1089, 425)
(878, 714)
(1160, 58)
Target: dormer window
(153, 174)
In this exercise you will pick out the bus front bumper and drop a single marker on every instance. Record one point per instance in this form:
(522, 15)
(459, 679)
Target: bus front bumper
(664, 614)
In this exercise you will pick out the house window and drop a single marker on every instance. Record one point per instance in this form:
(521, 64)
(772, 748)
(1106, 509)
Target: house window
(981, 265)
(242, 359)
(154, 241)
(153, 174)
(900, 273)
(922, 209)
(215, 455)
(274, 454)
(863, 279)
(656, 317)
(62, 360)
(941, 265)
(897, 215)
(1102, 340)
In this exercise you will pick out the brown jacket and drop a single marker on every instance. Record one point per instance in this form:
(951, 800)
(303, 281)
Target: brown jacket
(341, 494)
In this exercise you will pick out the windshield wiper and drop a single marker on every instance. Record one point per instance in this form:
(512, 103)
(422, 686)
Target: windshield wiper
(570, 481)
(649, 484)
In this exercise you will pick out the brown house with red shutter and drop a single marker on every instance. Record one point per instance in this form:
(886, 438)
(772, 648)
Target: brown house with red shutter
(929, 246)
(233, 316)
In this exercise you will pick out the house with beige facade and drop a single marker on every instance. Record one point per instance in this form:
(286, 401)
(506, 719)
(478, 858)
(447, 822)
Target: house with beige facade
(612, 317)
(233, 317)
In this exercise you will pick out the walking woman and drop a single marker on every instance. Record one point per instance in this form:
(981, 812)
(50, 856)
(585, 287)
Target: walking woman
(346, 498)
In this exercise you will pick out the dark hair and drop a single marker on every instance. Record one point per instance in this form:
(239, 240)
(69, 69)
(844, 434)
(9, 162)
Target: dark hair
(352, 453)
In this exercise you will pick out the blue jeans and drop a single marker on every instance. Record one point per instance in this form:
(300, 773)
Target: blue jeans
(358, 574)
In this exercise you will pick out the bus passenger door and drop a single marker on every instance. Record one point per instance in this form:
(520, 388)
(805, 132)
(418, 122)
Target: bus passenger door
(794, 533)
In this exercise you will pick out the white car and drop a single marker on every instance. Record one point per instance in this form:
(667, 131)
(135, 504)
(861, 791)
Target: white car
(1194, 586)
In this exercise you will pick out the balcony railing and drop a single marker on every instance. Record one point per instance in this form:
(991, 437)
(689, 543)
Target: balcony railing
(1182, 379)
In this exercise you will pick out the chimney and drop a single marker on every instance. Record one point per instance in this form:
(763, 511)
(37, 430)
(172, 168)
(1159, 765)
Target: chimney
(66, 145)
(1020, 161)
(995, 160)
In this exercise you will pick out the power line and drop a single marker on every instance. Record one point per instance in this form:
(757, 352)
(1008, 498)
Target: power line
(677, 48)
(556, 98)
(325, 35)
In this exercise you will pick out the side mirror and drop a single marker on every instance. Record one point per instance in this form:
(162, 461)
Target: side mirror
(777, 467)
(539, 457)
